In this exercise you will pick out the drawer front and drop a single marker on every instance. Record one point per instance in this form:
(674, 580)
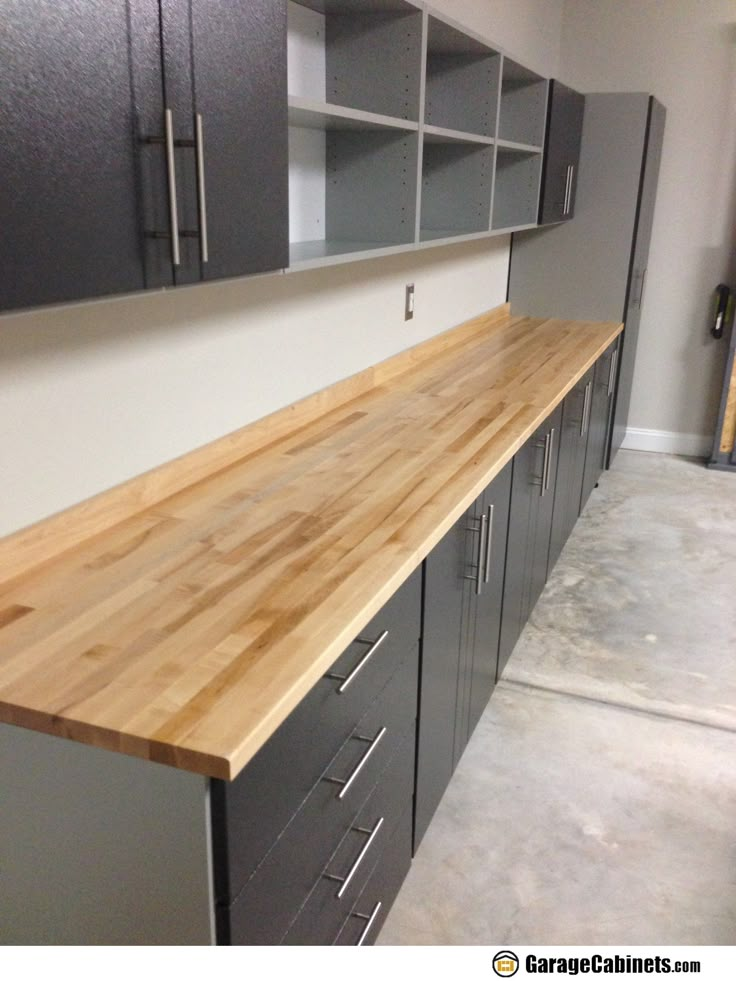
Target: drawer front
(367, 916)
(347, 872)
(273, 895)
(250, 813)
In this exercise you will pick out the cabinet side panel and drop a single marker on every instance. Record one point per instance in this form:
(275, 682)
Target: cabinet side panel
(580, 269)
(99, 848)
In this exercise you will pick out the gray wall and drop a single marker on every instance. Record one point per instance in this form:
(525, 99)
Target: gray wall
(684, 52)
(92, 394)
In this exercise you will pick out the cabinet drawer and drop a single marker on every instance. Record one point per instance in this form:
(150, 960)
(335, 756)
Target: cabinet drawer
(250, 813)
(273, 895)
(367, 916)
(352, 862)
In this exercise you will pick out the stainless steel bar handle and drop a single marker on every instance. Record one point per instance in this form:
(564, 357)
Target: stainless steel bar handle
(545, 462)
(584, 420)
(568, 184)
(347, 783)
(548, 478)
(568, 202)
(204, 246)
(371, 919)
(171, 174)
(348, 679)
(481, 554)
(612, 373)
(489, 544)
(346, 880)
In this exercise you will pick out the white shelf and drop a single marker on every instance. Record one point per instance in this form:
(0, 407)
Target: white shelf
(313, 114)
(438, 134)
(321, 252)
(518, 147)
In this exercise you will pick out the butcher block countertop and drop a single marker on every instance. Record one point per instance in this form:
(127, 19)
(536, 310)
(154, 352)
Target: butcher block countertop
(181, 616)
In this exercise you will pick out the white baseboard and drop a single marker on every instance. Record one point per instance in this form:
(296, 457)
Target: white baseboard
(660, 441)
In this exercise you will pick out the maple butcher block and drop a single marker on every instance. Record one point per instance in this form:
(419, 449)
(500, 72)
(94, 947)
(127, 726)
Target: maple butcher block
(251, 616)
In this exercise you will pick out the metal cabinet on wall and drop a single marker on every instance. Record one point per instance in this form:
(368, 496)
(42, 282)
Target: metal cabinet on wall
(565, 110)
(144, 144)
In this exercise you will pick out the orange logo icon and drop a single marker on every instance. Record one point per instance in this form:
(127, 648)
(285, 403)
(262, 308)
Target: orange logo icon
(505, 964)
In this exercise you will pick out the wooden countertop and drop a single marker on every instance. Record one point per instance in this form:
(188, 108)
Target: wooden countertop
(180, 618)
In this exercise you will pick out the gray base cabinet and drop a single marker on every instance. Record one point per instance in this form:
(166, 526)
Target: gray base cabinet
(463, 587)
(576, 420)
(530, 524)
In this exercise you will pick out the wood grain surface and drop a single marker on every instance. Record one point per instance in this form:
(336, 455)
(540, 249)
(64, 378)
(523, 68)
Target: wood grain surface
(183, 625)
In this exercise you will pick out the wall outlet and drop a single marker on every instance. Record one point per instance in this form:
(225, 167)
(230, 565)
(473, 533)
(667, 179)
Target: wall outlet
(409, 302)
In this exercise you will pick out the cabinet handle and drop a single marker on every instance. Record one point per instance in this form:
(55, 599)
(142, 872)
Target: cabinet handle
(612, 372)
(543, 488)
(371, 918)
(348, 679)
(568, 191)
(204, 247)
(345, 880)
(584, 420)
(568, 182)
(477, 576)
(489, 544)
(171, 174)
(548, 471)
(373, 743)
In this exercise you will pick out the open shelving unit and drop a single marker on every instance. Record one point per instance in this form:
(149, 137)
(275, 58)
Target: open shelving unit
(405, 130)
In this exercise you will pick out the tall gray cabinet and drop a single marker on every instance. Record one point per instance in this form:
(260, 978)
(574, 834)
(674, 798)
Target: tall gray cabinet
(595, 266)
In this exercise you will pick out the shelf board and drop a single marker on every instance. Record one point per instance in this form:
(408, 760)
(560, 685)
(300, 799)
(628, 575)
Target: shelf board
(326, 252)
(436, 236)
(358, 6)
(438, 134)
(514, 228)
(313, 114)
(518, 147)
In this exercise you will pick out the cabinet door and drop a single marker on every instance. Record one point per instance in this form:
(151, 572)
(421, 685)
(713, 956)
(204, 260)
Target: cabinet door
(565, 110)
(638, 272)
(487, 620)
(71, 76)
(599, 420)
(571, 464)
(225, 72)
(447, 599)
(542, 514)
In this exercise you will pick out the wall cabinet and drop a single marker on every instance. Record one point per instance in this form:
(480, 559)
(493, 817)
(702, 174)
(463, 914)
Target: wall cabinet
(129, 145)
(463, 586)
(565, 110)
(596, 265)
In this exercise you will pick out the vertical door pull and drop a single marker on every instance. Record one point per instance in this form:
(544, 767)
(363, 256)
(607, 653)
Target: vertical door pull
(204, 247)
(370, 921)
(477, 576)
(568, 192)
(489, 544)
(545, 463)
(612, 372)
(372, 745)
(171, 174)
(548, 474)
(567, 188)
(584, 420)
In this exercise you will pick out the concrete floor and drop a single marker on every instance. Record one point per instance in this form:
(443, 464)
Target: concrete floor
(596, 802)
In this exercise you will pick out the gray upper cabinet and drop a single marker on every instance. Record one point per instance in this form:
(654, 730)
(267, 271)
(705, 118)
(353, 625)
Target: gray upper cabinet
(565, 110)
(70, 78)
(144, 144)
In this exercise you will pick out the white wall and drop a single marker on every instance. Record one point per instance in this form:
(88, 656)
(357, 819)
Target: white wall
(683, 52)
(92, 394)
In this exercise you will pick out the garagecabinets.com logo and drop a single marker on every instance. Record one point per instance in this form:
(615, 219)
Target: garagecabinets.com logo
(505, 964)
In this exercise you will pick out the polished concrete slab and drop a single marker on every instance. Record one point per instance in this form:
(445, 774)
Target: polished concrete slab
(596, 801)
